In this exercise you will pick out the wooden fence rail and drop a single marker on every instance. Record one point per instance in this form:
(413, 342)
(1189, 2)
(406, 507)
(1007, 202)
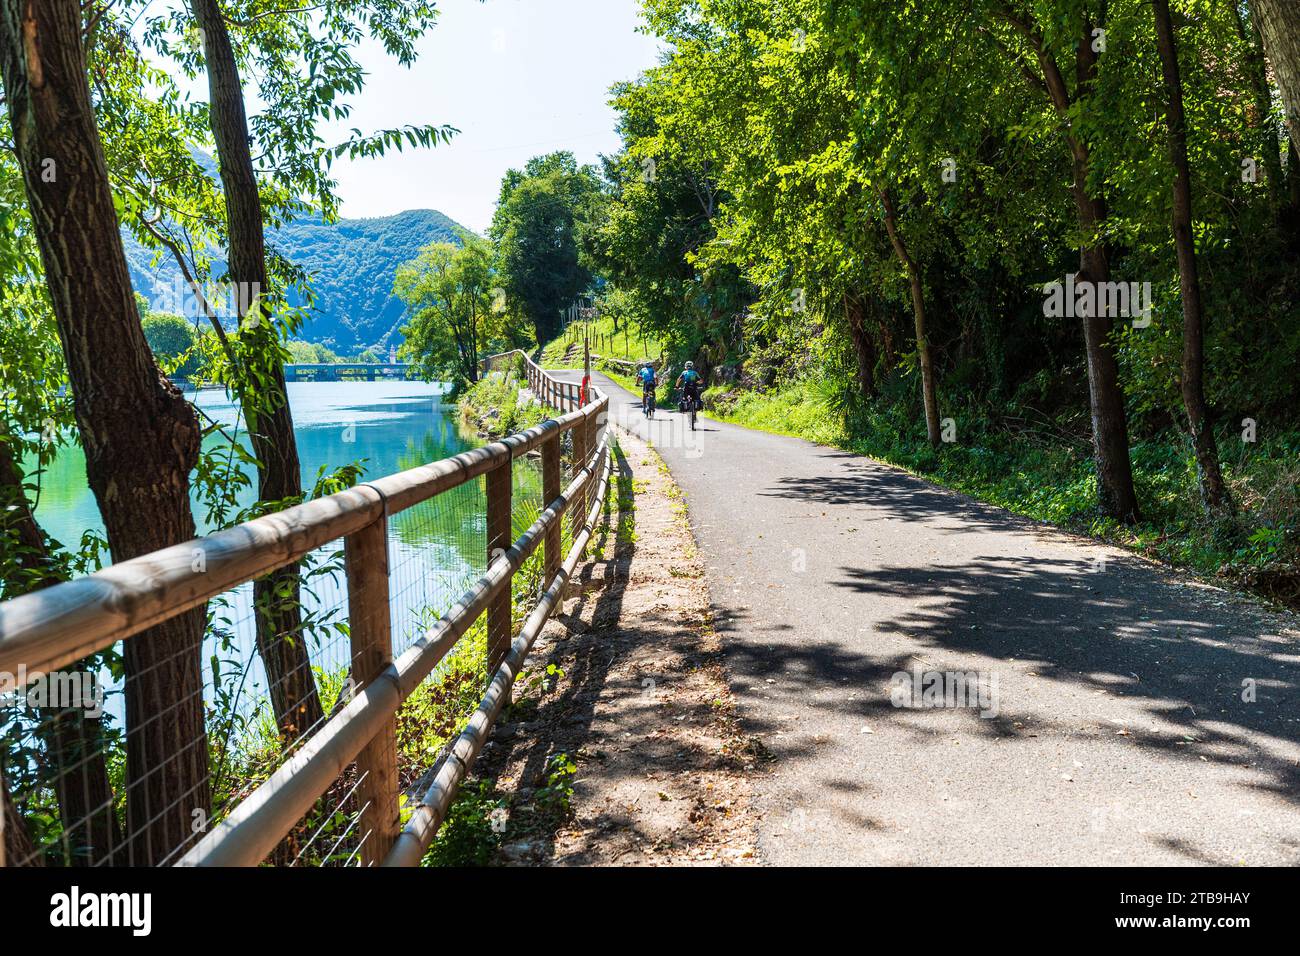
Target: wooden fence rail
(52, 628)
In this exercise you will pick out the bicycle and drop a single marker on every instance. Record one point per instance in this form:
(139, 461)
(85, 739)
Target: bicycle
(648, 402)
(692, 403)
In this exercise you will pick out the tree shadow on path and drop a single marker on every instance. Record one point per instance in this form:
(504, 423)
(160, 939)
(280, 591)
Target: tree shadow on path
(1179, 653)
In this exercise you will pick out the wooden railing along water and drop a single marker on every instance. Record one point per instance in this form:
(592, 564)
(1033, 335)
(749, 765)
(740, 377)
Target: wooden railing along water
(353, 750)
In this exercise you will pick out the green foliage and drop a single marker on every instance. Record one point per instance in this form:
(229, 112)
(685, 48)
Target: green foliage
(173, 342)
(310, 353)
(492, 406)
(614, 333)
(453, 319)
(541, 216)
(470, 835)
(302, 60)
(745, 225)
(35, 411)
(558, 790)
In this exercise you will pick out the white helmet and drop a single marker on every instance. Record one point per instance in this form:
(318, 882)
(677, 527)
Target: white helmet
(690, 365)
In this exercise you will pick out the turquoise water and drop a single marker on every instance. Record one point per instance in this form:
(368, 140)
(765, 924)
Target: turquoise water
(436, 549)
(392, 425)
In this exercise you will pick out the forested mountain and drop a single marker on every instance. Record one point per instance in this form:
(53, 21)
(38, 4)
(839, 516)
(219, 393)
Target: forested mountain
(353, 262)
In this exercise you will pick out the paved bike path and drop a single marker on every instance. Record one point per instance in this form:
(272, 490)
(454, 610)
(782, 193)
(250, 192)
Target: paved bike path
(1138, 716)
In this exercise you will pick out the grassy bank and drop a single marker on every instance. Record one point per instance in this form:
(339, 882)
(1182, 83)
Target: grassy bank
(1042, 473)
(623, 343)
(492, 407)
(566, 353)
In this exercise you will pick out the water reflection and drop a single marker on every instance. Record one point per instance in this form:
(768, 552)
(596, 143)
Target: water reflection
(436, 549)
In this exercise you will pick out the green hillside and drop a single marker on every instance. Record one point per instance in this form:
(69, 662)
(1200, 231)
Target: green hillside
(353, 262)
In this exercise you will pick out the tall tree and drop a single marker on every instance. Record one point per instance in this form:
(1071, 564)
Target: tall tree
(140, 436)
(918, 315)
(1214, 493)
(302, 58)
(541, 213)
(1072, 103)
(35, 421)
(281, 640)
(1261, 92)
(864, 347)
(448, 295)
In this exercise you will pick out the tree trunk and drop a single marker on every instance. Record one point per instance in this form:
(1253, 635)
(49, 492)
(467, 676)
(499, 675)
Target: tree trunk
(1115, 494)
(918, 313)
(863, 348)
(1279, 25)
(1214, 493)
(140, 436)
(1106, 399)
(16, 848)
(887, 341)
(74, 741)
(281, 641)
(1262, 97)
(1109, 418)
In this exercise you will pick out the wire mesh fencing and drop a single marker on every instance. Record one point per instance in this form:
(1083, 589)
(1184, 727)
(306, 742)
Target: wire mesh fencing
(125, 756)
(134, 754)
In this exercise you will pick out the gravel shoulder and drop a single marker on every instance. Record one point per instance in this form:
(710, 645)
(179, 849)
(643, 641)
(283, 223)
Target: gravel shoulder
(638, 701)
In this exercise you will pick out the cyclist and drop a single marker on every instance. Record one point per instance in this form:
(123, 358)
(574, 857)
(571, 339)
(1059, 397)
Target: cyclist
(689, 382)
(649, 383)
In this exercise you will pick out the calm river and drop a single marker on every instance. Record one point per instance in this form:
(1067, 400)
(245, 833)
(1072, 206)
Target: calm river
(435, 549)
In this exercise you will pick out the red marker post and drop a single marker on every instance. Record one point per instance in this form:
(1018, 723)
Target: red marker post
(586, 373)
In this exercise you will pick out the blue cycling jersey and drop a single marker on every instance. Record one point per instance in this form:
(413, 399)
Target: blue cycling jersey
(647, 376)
(690, 377)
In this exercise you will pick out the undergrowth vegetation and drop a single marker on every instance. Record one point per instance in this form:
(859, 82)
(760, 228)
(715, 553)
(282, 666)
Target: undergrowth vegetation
(492, 406)
(1041, 467)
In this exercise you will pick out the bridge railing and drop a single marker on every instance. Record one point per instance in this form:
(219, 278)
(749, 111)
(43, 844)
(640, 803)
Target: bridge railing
(268, 780)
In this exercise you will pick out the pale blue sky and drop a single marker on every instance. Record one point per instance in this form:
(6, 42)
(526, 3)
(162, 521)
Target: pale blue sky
(516, 77)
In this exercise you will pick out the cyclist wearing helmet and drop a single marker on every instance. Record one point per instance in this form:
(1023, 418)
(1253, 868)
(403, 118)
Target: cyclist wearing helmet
(649, 382)
(689, 382)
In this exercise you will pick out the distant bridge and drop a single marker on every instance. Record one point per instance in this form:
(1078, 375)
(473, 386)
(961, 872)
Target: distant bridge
(345, 371)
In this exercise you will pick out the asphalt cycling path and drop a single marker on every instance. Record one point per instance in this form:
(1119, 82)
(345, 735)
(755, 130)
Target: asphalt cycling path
(1060, 701)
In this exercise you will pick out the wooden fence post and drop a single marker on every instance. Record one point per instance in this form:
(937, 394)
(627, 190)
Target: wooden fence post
(550, 491)
(580, 452)
(498, 542)
(593, 441)
(365, 558)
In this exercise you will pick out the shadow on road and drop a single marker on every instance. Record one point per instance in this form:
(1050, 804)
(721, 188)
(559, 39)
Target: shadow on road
(898, 495)
(1183, 654)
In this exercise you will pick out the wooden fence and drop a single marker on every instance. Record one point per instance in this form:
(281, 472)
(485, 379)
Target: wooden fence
(60, 625)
